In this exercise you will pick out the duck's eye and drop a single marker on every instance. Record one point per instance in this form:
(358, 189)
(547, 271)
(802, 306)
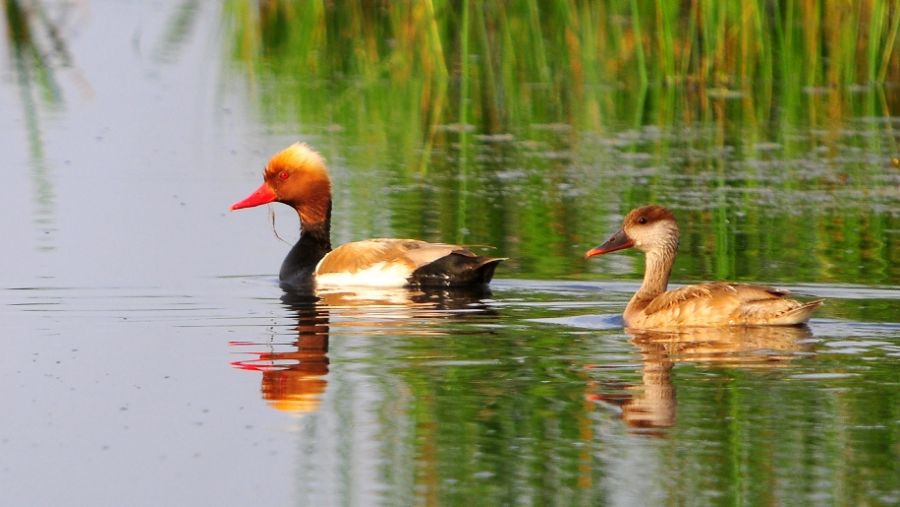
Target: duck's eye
(642, 220)
(283, 175)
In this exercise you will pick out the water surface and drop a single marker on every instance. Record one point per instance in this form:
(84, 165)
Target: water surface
(150, 357)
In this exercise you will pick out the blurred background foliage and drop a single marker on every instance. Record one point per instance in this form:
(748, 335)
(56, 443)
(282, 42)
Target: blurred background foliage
(769, 127)
(533, 126)
(592, 65)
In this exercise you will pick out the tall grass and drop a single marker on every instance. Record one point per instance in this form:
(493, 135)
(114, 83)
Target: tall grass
(540, 62)
(442, 101)
(533, 126)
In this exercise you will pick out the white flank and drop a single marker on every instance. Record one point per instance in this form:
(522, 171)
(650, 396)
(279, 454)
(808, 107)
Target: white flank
(378, 275)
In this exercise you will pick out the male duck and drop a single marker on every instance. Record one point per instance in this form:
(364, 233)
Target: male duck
(296, 176)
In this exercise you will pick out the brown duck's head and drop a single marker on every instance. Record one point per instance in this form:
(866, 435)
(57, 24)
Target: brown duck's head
(647, 228)
(295, 176)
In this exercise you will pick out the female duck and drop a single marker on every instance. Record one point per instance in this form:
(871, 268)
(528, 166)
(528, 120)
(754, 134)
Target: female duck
(652, 230)
(297, 177)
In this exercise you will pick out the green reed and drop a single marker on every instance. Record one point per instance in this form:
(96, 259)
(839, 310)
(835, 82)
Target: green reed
(439, 98)
(532, 126)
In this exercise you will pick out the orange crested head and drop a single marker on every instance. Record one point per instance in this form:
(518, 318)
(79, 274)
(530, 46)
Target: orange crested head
(295, 176)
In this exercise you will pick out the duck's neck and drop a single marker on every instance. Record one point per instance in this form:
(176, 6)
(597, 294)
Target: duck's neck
(656, 276)
(314, 243)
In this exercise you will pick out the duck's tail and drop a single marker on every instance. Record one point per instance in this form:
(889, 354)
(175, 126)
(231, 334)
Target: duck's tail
(796, 315)
(456, 270)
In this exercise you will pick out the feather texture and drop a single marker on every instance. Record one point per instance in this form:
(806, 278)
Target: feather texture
(297, 176)
(720, 304)
(653, 230)
(362, 255)
(388, 262)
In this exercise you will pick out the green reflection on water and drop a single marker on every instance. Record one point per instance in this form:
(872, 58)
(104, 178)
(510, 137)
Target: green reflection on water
(497, 409)
(532, 127)
(36, 48)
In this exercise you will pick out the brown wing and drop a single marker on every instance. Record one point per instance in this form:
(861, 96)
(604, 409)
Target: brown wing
(780, 311)
(722, 303)
(714, 294)
(756, 292)
(361, 255)
(677, 297)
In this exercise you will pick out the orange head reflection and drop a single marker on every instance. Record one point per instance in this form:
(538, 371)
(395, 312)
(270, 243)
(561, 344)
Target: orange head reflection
(294, 380)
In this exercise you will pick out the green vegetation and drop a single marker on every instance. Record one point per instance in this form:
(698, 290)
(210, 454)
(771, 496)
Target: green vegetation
(525, 125)
(768, 126)
(533, 126)
(592, 65)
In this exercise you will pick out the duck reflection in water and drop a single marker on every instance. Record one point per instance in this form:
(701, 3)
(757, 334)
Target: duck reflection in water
(651, 405)
(295, 380)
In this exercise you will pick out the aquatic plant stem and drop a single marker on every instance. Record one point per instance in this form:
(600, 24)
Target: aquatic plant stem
(463, 126)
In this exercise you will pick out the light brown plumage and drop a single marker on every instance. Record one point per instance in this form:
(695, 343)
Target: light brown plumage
(362, 255)
(653, 230)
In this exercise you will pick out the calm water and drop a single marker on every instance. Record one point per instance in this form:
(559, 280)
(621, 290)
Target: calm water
(150, 357)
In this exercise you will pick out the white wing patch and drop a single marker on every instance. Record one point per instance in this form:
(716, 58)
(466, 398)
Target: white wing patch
(380, 274)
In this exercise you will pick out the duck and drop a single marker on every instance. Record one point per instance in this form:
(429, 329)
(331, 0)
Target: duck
(654, 231)
(297, 176)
